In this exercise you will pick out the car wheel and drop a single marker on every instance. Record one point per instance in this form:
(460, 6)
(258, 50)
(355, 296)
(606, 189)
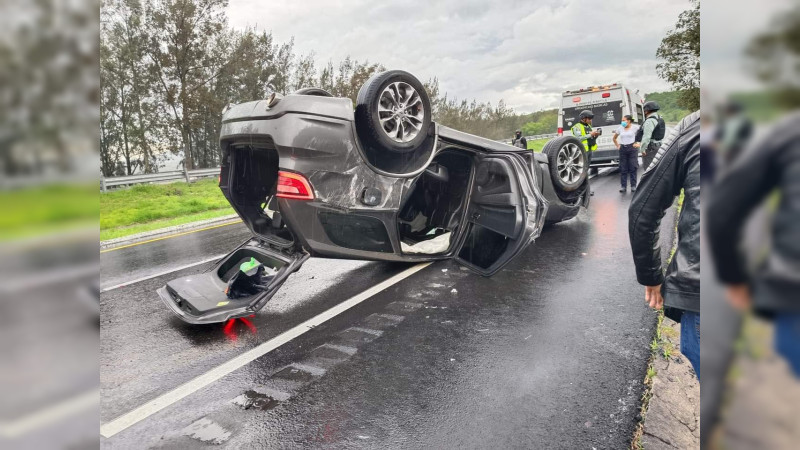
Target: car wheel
(393, 112)
(568, 163)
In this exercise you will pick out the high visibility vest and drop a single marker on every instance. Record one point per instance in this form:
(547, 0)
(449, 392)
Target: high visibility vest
(579, 130)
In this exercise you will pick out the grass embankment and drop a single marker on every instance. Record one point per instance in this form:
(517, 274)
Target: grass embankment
(43, 209)
(537, 145)
(149, 207)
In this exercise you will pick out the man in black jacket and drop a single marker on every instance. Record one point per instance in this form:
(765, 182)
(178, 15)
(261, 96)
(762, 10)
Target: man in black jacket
(772, 165)
(676, 166)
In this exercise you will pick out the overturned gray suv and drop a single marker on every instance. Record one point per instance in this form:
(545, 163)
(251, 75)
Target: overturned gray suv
(311, 176)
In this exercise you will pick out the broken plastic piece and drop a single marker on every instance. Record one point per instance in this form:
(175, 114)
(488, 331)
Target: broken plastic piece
(247, 266)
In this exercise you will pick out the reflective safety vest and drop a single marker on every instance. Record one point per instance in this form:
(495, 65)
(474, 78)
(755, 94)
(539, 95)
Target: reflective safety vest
(582, 131)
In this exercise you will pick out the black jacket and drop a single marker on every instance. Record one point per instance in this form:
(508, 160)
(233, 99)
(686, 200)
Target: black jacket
(676, 166)
(772, 164)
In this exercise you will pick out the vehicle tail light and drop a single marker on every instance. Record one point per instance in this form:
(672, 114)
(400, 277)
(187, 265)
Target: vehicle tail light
(294, 186)
(606, 94)
(560, 131)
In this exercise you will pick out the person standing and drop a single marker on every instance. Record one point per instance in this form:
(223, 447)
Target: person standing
(588, 137)
(520, 141)
(768, 168)
(624, 138)
(676, 166)
(735, 131)
(652, 132)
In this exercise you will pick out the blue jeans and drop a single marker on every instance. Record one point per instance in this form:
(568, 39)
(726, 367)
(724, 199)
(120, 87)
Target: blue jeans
(690, 339)
(787, 339)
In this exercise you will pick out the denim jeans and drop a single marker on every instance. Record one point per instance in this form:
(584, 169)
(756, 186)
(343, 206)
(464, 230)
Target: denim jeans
(787, 339)
(690, 339)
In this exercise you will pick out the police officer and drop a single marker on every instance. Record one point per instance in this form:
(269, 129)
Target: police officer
(520, 141)
(583, 131)
(652, 133)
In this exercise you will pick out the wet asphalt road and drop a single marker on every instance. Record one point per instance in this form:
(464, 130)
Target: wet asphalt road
(548, 353)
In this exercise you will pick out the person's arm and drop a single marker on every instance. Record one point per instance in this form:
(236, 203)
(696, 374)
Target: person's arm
(745, 185)
(654, 194)
(524, 142)
(616, 133)
(647, 134)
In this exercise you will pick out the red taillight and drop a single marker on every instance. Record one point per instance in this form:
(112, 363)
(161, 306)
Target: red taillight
(606, 94)
(294, 186)
(576, 99)
(560, 131)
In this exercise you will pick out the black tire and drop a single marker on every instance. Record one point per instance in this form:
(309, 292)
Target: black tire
(405, 126)
(569, 165)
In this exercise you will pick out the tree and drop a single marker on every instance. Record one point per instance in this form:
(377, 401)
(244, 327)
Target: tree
(182, 35)
(125, 81)
(680, 55)
(774, 57)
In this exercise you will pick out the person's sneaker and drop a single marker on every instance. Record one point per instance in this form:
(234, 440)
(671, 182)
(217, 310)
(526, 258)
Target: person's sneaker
(623, 190)
(633, 189)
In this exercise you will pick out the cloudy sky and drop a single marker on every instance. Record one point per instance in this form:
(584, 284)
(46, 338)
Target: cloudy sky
(726, 32)
(525, 52)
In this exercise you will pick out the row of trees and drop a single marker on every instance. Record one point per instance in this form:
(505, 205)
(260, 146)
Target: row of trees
(169, 67)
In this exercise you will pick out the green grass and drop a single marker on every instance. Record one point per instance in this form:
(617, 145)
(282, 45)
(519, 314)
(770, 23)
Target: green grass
(537, 145)
(151, 206)
(44, 209)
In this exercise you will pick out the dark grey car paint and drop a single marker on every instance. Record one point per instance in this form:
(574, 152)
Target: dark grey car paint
(316, 136)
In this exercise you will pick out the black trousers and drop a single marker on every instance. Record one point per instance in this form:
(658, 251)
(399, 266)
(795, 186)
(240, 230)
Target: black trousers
(628, 164)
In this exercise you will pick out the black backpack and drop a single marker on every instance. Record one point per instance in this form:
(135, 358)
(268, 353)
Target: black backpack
(658, 133)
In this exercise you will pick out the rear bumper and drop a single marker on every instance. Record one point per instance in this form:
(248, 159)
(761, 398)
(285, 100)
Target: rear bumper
(605, 156)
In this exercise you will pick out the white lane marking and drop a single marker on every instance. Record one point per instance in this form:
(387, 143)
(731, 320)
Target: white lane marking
(156, 275)
(51, 414)
(142, 412)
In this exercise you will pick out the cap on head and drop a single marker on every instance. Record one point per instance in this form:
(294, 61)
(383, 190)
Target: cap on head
(585, 114)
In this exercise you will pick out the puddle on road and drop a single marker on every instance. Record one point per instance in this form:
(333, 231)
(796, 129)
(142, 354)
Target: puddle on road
(328, 352)
(382, 321)
(206, 430)
(256, 400)
(293, 374)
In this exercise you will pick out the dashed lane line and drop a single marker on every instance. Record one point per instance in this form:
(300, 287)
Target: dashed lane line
(148, 409)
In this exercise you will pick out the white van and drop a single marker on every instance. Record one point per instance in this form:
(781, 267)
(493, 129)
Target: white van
(609, 103)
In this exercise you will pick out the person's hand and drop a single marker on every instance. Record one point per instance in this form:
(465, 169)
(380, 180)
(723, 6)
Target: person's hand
(637, 144)
(739, 296)
(652, 295)
(595, 134)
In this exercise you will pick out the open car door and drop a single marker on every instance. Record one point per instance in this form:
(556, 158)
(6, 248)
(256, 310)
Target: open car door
(506, 212)
(204, 298)
(242, 282)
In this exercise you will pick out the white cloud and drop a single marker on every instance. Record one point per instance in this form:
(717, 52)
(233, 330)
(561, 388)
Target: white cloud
(521, 51)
